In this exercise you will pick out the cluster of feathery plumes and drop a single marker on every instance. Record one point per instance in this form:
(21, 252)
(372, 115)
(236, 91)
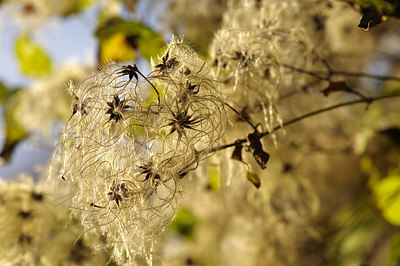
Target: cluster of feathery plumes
(241, 225)
(249, 54)
(256, 40)
(129, 141)
(34, 229)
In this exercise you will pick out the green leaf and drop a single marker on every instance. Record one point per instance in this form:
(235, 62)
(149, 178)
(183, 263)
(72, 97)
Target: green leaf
(394, 250)
(137, 35)
(213, 177)
(151, 45)
(75, 6)
(382, 6)
(32, 59)
(118, 25)
(184, 223)
(14, 131)
(254, 179)
(5, 93)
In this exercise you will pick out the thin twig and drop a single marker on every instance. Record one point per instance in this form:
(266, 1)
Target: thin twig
(297, 119)
(359, 94)
(326, 75)
(241, 116)
(364, 75)
(151, 84)
(308, 72)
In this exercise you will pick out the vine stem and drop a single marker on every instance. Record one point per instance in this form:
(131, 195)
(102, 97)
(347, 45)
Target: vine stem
(311, 114)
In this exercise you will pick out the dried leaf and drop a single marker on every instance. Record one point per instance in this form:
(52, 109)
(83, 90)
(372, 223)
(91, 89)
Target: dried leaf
(184, 223)
(369, 19)
(255, 147)
(393, 133)
(335, 87)
(375, 12)
(237, 153)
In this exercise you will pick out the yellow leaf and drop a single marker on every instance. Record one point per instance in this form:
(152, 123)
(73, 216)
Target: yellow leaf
(143, 39)
(74, 6)
(387, 195)
(32, 58)
(213, 177)
(254, 179)
(116, 48)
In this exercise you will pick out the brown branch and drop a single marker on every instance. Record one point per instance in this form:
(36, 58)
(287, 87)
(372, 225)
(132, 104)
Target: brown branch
(321, 75)
(363, 75)
(297, 119)
(318, 75)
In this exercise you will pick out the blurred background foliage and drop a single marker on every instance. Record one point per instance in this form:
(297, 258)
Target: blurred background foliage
(363, 229)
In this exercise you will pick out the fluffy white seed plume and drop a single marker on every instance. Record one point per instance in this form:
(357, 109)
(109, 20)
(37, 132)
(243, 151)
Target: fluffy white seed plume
(256, 40)
(130, 140)
(34, 229)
